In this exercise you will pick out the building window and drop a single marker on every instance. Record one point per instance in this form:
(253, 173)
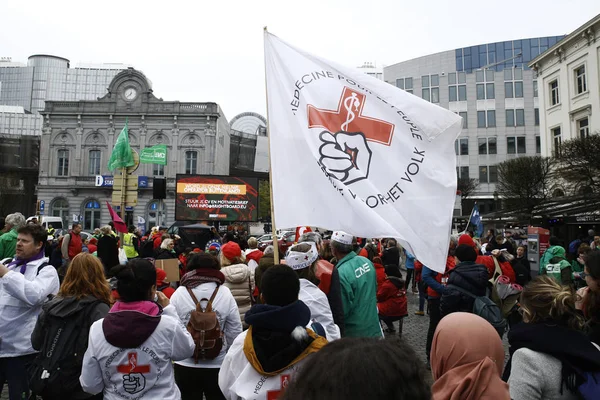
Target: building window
(554, 98)
(430, 88)
(513, 83)
(463, 172)
(493, 171)
(63, 162)
(520, 117)
(191, 162)
(515, 145)
(485, 84)
(465, 121)
(580, 81)
(405, 84)
(158, 170)
(486, 119)
(94, 162)
(60, 208)
(510, 117)
(487, 145)
(521, 148)
(538, 144)
(556, 136)
(91, 215)
(457, 86)
(483, 174)
(536, 116)
(583, 127)
(535, 89)
(464, 146)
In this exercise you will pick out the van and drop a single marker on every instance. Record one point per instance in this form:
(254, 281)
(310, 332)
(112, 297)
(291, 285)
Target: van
(46, 222)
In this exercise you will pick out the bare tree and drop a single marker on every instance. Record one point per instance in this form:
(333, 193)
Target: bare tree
(579, 164)
(466, 187)
(524, 182)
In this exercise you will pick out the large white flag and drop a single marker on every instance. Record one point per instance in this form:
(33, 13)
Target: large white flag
(353, 153)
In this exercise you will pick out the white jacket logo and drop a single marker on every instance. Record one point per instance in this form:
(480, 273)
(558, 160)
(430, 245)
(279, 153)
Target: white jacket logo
(134, 380)
(363, 269)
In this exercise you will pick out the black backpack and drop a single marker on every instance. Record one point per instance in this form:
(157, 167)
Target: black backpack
(486, 309)
(55, 371)
(147, 248)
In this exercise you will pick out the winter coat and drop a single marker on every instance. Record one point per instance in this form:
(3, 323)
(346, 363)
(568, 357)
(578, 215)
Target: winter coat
(522, 270)
(108, 252)
(542, 357)
(227, 314)
(165, 254)
(557, 266)
(63, 307)
(380, 272)
(320, 311)
(8, 244)
(263, 359)
(358, 281)
(391, 256)
(488, 261)
(131, 352)
(240, 280)
(391, 298)
(330, 285)
(21, 300)
(468, 276)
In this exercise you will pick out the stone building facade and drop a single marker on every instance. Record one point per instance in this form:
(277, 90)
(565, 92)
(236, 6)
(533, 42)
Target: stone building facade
(78, 137)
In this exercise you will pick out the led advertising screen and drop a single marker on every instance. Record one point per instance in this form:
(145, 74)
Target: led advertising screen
(216, 198)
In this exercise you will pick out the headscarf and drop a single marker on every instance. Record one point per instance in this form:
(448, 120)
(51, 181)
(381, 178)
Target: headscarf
(467, 359)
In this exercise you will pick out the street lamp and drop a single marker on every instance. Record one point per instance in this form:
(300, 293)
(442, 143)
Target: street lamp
(496, 200)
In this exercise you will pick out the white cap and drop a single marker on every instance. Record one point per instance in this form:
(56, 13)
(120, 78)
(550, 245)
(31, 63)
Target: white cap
(299, 260)
(342, 237)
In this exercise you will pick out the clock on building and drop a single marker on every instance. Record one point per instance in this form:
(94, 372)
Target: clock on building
(130, 94)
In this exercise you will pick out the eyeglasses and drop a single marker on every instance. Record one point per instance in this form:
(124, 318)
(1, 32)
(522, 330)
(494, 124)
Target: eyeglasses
(583, 275)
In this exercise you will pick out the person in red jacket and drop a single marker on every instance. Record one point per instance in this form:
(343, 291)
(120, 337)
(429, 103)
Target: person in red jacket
(162, 284)
(391, 300)
(488, 261)
(380, 270)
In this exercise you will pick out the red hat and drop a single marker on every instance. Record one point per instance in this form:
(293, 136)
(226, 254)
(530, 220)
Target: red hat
(197, 250)
(468, 240)
(161, 276)
(231, 250)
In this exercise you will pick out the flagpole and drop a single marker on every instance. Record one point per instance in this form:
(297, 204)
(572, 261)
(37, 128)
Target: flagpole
(123, 193)
(273, 226)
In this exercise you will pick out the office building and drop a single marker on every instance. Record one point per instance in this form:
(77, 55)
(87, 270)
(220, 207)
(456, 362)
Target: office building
(569, 87)
(496, 93)
(249, 149)
(78, 138)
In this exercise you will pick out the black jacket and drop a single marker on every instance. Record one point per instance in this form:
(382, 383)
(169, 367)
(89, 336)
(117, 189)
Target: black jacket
(108, 252)
(164, 254)
(468, 276)
(335, 300)
(391, 256)
(522, 270)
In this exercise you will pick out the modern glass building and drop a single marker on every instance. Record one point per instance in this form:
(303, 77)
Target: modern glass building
(493, 89)
(47, 77)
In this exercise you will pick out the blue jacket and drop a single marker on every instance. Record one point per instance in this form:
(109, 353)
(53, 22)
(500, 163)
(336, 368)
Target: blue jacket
(410, 261)
(428, 276)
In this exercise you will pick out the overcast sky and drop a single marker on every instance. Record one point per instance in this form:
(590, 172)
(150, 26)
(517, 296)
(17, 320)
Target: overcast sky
(213, 50)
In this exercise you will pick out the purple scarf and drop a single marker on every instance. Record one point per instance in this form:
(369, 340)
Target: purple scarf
(202, 275)
(23, 263)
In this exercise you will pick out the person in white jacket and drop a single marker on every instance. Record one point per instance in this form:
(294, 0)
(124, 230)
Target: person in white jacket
(131, 351)
(238, 277)
(302, 258)
(264, 359)
(26, 282)
(196, 380)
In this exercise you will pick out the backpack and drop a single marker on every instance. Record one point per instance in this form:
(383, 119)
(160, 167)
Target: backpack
(588, 385)
(486, 309)
(55, 371)
(147, 248)
(205, 329)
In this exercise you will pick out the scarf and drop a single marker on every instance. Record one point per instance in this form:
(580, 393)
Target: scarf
(202, 275)
(23, 262)
(546, 337)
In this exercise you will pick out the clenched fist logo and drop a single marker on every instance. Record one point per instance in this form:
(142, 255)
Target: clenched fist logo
(134, 383)
(345, 156)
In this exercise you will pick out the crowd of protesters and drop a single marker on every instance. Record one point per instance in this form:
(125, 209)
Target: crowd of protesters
(323, 323)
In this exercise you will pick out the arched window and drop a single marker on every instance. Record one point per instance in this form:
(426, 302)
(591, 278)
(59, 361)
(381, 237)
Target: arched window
(558, 193)
(60, 208)
(91, 215)
(191, 162)
(155, 209)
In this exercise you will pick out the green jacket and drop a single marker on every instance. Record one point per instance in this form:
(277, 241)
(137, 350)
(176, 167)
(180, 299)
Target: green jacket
(8, 244)
(556, 265)
(358, 281)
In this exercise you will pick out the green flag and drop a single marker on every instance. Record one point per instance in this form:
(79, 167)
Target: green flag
(154, 155)
(121, 155)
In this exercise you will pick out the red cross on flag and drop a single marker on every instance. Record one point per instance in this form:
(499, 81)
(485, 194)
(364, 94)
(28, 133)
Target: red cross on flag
(369, 159)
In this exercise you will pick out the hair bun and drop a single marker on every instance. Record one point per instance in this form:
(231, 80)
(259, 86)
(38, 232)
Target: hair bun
(123, 273)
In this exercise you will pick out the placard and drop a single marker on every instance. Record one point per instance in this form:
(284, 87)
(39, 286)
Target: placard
(171, 267)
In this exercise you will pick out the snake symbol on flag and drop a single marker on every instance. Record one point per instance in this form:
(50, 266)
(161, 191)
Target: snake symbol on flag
(348, 103)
